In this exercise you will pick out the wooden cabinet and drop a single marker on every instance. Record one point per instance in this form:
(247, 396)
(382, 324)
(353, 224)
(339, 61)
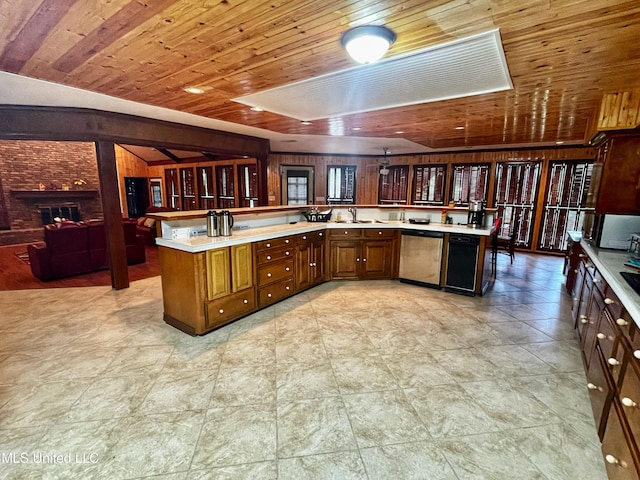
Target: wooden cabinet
(274, 269)
(615, 183)
(229, 279)
(612, 361)
(363, 253)
(310, 260)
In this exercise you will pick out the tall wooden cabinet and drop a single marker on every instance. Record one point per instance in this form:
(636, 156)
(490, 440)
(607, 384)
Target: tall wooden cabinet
(615, 182)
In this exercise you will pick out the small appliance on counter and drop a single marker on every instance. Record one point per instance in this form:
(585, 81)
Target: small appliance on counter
(219, 223)
(476, 215)
(634, 246)
(225, 221)
(212, 224)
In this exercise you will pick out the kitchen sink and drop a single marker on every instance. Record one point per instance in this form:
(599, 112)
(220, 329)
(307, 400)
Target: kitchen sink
(370, 221)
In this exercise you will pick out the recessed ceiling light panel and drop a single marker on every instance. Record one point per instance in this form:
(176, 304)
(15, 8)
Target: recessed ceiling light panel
(469, 66)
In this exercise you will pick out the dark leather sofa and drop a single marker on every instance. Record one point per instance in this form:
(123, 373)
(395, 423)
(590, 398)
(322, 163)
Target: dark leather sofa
(73, 248)
(146, 226)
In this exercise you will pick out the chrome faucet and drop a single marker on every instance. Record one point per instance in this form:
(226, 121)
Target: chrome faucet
(353, 212)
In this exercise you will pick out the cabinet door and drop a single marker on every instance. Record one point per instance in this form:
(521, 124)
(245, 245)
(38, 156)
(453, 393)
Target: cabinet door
(304, 266)
(317, 269)
(619, 191)
(376, 261)
(345, 259)
(242, 267)
(615, 448)
(218, 273)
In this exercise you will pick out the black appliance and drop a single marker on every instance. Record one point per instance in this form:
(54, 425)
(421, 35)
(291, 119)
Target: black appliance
(476, 215)
(462, 264)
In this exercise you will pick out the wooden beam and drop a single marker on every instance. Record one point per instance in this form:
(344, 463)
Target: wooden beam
(108, 175)
(20, 122)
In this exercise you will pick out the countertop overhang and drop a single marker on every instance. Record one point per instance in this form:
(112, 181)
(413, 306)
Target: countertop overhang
(610, 263)
(203, 243)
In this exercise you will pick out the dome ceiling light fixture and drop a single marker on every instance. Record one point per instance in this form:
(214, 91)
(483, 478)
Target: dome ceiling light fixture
(368, 43)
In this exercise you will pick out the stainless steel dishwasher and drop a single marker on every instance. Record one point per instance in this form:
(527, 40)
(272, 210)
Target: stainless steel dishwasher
(421, 257)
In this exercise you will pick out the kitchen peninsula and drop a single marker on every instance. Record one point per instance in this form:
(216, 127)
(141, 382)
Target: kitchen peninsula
(273, 254)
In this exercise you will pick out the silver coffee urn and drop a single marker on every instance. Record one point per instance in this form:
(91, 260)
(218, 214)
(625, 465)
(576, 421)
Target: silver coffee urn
(212, 224)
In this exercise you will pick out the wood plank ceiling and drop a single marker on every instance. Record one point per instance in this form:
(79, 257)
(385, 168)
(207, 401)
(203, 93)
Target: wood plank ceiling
(563, 55)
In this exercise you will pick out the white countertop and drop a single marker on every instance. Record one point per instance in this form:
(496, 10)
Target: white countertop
(203, 243)
(610, 263)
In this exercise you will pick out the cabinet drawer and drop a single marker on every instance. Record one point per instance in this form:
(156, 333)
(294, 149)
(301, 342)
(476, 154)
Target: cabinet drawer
(600, 390)
(375, 233)
(607, 336)
(273, 255)
(229, 308)
(311, 237)
(345, 233)
(274, 243)
(612, 304)
(274, 272)
(629, 396)
(275, 291)
(616, 450)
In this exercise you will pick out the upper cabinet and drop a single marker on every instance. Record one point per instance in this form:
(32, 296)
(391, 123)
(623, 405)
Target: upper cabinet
(615, 184)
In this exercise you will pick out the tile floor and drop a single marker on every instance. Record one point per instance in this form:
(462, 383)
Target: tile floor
(349, 380)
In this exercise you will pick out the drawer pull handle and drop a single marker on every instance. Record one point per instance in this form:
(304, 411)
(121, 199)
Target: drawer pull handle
(245, 301)
(287, 269)
(627, 402)
(613, 362)
(269, 295)
(286, 241)
(357, 259)
(286, 253)
(614, 461)
(268, 275)
(304, 237)
(591, 386)
(608, 301)
(637, 354)
(581, 255)
(379, 233)
(364, 259)
(221, 310)
(601, 336)
(287, 287)
(320, 234)
(596, 280)
(268, 257)
(345, 232)
(584, 320)
(622, 322)
(268, 245)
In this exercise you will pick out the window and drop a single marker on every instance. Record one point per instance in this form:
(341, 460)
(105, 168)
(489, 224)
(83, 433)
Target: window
(516, 188)
(428, 185)
(188, 189)
(173, 191)
(565, 202)
(469, 183)
(392, 188)
(297, 184)
(248, 184)
(225, 184)
(205, 188)
(155, 184)
(341, 185)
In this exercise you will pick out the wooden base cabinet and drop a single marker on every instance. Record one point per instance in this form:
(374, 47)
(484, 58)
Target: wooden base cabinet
(310, 261)
(612, 362)
(363, 254)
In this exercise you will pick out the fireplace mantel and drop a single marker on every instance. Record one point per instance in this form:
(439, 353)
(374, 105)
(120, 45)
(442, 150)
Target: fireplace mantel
(53, 194)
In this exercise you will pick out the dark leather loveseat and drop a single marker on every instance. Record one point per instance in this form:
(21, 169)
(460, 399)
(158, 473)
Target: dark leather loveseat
(72, 248)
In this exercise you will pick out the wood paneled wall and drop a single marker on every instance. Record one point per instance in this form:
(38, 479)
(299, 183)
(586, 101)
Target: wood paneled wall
(128, 165)
(367, 171)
